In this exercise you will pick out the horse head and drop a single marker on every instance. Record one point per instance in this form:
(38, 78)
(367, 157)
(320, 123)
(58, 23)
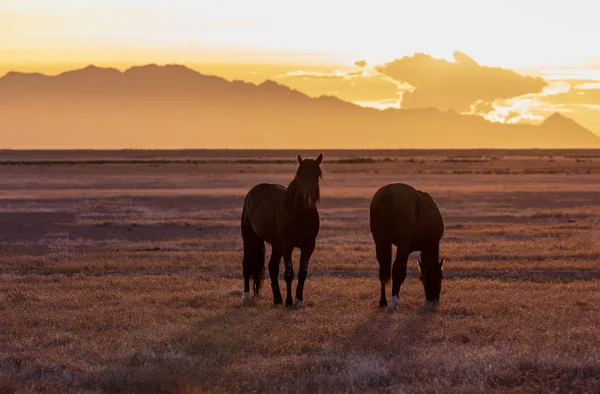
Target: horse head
(307, 180)
(432, 273)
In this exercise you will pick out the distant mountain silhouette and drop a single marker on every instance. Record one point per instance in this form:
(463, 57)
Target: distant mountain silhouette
(556, 120)
(173, 106)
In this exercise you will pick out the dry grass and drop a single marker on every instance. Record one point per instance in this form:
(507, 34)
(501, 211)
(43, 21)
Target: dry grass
(126, 277)
(168, 333)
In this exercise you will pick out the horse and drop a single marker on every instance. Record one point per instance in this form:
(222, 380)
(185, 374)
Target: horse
(409, 219)
(286, 218)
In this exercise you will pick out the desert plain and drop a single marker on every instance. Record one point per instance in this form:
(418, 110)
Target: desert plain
(120, 271)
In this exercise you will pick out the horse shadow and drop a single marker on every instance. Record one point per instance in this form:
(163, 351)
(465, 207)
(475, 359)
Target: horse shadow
(398, 331)
(193, 359)
(200, 357)
(380, 352)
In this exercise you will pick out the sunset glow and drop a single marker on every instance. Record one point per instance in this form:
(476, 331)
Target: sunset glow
(216, 196)
(517, 62)
(39, 31)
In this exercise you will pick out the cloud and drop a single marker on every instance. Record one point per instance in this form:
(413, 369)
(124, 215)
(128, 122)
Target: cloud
(584, 102)
(587, 93)
(360, 63)
(358, 84)
(482, 108)
(456, 85)
(380, 104)
(527, 108)
(337, 74)
(514, 111)
(571, 75)
(588, 85)
(580, 102)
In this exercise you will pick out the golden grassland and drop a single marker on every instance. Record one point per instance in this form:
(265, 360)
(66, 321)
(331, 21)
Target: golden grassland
(125, 276)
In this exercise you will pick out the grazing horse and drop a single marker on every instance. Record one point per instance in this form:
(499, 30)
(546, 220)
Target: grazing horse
(286, 219)
(409, 219)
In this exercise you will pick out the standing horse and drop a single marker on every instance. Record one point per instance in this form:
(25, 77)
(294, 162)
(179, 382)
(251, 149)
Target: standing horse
(410, 220)
(286, 219)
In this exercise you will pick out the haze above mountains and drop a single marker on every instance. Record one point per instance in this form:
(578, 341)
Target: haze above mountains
(176, 107)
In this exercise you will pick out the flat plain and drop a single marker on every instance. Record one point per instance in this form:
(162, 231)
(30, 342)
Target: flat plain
(121, 272)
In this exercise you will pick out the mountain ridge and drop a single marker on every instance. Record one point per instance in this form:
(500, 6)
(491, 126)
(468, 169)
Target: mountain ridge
(141, 98)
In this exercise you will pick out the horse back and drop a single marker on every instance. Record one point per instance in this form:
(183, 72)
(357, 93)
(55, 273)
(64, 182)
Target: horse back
(430, 226)
(260, 209)
(399, 212)
(394, 213)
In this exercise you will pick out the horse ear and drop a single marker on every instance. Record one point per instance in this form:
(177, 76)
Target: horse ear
(299, 159)
(320, 159)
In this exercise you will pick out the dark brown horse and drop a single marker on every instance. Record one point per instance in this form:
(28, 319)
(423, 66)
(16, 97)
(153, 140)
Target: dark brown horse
(286, 219)
(410, 220)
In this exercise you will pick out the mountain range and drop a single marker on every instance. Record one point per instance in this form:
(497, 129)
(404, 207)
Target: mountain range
(173, 106)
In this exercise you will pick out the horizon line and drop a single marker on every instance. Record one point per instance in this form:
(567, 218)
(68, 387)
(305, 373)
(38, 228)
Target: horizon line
(278, 149)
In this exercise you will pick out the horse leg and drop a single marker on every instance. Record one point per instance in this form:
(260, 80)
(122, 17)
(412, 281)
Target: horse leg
(274, 273)
(305, 254)
(289, 271)
(246, 293)
(253, 262)
(399, 273)
(384, 258)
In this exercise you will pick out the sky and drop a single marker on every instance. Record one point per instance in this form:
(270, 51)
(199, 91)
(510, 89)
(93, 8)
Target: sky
(508, 33)
(313, 46)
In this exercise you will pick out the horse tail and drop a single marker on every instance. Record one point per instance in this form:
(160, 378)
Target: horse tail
(382, 228)
(254, 252)
(384, 258)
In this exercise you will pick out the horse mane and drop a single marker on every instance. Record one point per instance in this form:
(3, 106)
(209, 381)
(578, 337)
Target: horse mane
(430, 256)
(432, 253)
(293, 193)
(296, 190)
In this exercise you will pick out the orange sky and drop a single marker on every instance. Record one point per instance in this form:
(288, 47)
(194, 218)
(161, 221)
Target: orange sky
(510, 33)
(304, 44)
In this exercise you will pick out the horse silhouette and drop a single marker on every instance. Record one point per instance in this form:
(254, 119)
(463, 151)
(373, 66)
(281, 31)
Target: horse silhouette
(410, 220)
(286, 218)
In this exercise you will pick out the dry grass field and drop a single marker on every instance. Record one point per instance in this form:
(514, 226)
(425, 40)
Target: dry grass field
(121, 272)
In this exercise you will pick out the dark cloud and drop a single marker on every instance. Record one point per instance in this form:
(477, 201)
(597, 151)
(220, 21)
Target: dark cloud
(456, 85)
(360, 63)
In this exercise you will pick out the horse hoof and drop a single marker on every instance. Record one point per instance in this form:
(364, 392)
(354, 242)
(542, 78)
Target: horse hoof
(278, 301)
(298, 303)
(288, 302)
(382, 303)
(395, 303)
(245, 298)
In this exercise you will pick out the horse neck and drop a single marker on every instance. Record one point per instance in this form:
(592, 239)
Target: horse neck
(431, 255)
(293, 198)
